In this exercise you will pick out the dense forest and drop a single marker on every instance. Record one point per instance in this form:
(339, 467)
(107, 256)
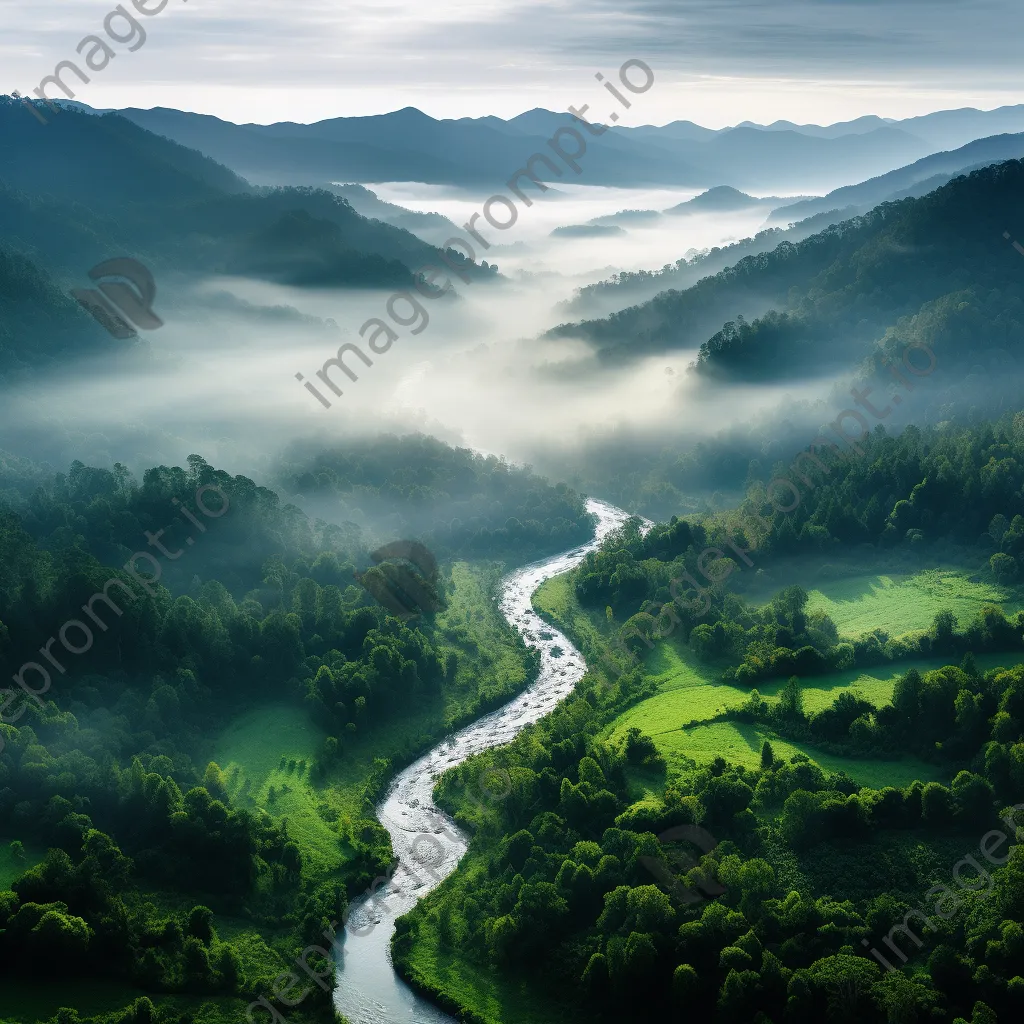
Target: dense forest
(939, 494)
(460, 502)
(187, 598)
(568, 884)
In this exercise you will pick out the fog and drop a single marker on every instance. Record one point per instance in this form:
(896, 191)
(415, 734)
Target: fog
(528, 248)
(219, 378)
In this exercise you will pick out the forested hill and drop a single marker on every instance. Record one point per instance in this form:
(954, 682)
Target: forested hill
(39, 323)
(954, 492)
(83, 187)
(458, 501)
(822, 302)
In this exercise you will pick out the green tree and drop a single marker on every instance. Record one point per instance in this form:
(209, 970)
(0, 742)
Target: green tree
(200, 924)
(1004, 567)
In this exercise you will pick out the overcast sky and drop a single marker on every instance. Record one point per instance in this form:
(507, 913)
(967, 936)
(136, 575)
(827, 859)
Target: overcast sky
(716, 62)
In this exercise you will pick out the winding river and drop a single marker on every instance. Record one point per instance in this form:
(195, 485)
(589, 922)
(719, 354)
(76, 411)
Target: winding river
(427, 843)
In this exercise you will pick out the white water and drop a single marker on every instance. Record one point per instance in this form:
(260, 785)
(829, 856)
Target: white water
(427, 843)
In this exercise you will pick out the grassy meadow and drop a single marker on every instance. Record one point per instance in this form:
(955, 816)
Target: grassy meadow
(896, 601)
(690, 692)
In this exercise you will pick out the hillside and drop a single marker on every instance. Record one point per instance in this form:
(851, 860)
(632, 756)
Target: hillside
(85, 188)
(918, 178)
(793, 222)
(823, 301)
(39, 323)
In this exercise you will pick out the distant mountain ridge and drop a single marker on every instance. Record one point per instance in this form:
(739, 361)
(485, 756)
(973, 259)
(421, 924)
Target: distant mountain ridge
(87, 188)
(804, 218)
(409, 145)
(723, 198)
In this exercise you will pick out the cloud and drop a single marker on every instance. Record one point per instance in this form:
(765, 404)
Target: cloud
(251, 59)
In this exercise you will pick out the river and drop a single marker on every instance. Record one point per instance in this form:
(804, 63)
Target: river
(427, 844)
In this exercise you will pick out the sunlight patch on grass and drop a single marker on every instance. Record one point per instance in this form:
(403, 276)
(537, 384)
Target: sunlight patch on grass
(11, 867)
(740, 743)
(898, 602)
(687, 696)
(250, 751)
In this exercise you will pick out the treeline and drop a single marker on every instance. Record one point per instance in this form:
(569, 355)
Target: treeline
(945, 715)
(459, 502)
(722, 898)
(955, 483)
(954, 489)
(825, 299)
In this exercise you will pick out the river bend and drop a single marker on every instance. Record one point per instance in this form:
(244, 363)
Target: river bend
(427, 844)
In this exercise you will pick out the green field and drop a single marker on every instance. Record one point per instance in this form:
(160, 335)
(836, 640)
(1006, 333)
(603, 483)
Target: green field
(251, 749)
(688, 693)
(898, 602)
(740, 743)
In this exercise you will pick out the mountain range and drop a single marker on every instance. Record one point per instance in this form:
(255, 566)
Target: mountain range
(409, 145)
(917, 179)
(84, 189)
(792, 222)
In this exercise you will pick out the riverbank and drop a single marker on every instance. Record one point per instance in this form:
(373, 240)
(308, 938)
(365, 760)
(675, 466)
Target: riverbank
(368, 990)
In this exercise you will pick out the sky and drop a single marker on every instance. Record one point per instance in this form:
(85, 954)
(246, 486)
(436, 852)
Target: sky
(716, 62)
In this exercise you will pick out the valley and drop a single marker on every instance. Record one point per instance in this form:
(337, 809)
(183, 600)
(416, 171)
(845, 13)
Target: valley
(570, 645)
